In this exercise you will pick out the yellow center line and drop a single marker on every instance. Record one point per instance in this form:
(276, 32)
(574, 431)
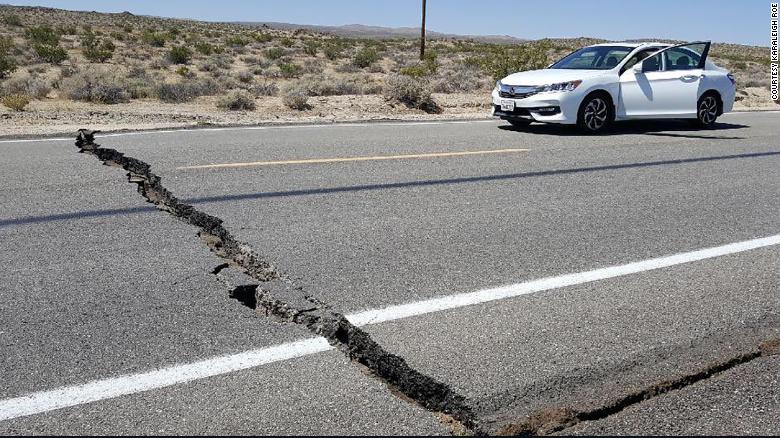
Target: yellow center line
(352, 159)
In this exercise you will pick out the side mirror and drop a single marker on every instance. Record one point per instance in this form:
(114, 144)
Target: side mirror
(638, 68)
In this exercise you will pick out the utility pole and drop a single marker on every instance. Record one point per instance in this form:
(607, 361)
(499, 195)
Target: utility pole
(422, 33)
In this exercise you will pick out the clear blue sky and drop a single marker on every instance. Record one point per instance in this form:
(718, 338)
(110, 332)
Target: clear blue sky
(745, 21)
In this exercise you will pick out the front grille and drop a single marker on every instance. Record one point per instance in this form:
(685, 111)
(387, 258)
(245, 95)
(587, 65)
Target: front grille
(510, 95)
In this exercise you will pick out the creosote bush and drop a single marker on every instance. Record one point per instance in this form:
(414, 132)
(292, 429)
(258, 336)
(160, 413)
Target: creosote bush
(186, 91)
(97, 85)
(180, 55)
(51, 54)
(16, 102)
(29, 85)
(274, 53)
(412, 92)
(238, 100)
(365, 57)
(295, 98)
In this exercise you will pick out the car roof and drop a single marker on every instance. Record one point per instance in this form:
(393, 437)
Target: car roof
(632, 45)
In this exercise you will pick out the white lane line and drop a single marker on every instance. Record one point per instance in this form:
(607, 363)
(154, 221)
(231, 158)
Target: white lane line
(114, 387)
(255, 128)
(45, 401)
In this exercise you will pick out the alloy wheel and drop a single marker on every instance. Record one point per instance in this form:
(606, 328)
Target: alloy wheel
(708, 110)
(595, 114)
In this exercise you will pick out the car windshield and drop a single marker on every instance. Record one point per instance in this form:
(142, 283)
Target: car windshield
(593, 58)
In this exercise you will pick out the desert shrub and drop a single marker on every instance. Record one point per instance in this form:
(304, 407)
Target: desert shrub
(328, 86)
(97, 50)
(415, 71)
(16, 102)
(333, 51)
(365, 57)
(462, 79)
(501, 61)
(67, 30)
(42, 35)
(154, 39)
(264, 89)
(51, 54)
(12, 20)
(412, 92)
(274, 53)
(290, 70)
(7, 63)
(236, 41)
(98, 86)
(287, 42)
(180, 55)
(142, 86)
(32, 85)
(7, 66)
(429, 66)
(312, 65)
(295, 98)
(238, 100)
(185, 72)
(245, 77)
(176, 93)
(262, 37)
(186, 91)
(204, 48)
(310, 47)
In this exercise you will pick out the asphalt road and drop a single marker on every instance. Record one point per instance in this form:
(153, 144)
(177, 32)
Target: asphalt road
(97, 284)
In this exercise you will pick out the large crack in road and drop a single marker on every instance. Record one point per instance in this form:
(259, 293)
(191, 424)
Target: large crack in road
(281, 298)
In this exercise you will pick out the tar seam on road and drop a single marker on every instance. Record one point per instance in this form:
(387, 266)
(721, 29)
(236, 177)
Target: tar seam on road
(351, 159)
(280, 298)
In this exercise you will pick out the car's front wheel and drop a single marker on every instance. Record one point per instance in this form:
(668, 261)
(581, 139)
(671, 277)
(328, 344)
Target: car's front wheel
(594, 115)
(707, 111)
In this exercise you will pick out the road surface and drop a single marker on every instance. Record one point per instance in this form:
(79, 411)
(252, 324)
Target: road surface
(530, 270)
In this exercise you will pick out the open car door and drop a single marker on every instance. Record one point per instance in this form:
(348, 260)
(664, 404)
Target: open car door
(665, 84)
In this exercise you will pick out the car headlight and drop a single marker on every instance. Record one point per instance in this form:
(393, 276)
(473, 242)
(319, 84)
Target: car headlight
(561, 86)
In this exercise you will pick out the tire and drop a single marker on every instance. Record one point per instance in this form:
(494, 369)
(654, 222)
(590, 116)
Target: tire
(596, 114)
(519, 123)
(707, 111)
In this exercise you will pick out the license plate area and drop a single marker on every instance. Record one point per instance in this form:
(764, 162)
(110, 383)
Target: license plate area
(507, 105)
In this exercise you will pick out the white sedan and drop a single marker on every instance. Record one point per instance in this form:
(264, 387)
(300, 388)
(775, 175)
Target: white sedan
(596, 85)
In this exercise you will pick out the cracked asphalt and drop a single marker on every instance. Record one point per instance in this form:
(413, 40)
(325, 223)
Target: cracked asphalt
(97, 284)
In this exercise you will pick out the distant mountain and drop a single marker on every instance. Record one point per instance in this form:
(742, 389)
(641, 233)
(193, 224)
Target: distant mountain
(380, 32)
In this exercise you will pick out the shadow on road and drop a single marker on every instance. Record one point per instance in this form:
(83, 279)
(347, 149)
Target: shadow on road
(649, 127)
(370, 187)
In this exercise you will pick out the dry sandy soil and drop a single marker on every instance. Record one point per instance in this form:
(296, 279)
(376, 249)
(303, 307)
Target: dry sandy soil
(54, 116)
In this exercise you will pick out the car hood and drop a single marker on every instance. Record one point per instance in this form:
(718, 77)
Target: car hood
(549, 76)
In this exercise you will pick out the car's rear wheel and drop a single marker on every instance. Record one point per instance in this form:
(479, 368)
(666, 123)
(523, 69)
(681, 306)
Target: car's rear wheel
(595, 114)
(707, 111)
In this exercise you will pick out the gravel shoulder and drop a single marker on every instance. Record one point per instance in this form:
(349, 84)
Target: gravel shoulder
(58, 116)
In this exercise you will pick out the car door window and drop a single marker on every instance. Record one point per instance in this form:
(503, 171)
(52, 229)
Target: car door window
(639, 56)
(681, 58)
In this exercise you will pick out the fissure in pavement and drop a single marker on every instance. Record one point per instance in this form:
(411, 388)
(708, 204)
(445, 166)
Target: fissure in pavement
(297, 306)
(304, 309)
(549, 421)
